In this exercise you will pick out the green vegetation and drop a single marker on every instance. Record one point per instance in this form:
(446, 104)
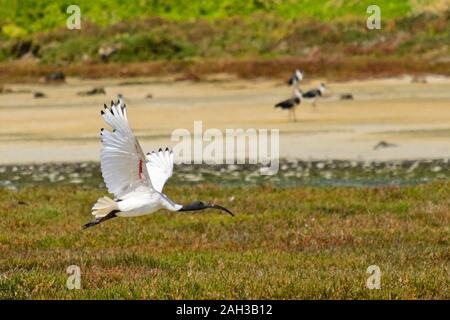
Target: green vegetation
(286, 243)
(248, 38)
(31, 16)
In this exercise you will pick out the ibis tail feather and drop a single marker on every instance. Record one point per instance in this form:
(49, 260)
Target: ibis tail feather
(104, 206)
(104, 209)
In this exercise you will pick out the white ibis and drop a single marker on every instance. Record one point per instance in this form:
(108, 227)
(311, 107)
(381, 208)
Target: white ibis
(136, 179)
(313, 94)
(291, 104)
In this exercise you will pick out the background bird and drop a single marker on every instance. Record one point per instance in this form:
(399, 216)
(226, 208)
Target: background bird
(313, 94)
(135, 179)
(291, 104)
(121, 99)
(296, 77)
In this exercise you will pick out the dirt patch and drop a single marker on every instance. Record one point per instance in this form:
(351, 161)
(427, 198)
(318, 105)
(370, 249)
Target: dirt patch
(344, 68)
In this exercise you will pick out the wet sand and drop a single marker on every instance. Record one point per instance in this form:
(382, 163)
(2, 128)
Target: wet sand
(64, 126)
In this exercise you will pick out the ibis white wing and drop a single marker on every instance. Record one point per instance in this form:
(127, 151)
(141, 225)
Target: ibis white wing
(122, 159)
(160, 167)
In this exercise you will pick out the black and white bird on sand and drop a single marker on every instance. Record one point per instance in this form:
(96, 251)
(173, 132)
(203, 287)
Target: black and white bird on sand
(313, 94)
(291, 104)
(296, 77)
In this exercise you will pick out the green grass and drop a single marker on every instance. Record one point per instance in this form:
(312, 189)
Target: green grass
(288, 243)
(30, 17)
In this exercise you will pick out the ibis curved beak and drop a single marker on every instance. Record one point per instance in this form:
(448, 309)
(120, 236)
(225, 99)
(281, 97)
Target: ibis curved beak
(216, 206)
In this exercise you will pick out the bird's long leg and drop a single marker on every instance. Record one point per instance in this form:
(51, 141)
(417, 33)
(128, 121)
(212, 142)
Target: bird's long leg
(293, 113)
(96, 221)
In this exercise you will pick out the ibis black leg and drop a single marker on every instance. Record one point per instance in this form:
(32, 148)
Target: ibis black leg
(96, 221)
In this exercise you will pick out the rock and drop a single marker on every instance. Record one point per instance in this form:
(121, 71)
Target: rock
(39, 94)
(346, 96)
(98, 90)
(149, 96)
(384, 144)
(55, 77)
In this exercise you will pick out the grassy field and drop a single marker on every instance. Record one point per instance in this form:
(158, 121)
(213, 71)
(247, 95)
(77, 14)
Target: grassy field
(286, 243)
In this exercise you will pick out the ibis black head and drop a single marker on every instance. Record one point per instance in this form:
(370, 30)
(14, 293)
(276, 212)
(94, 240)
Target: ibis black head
(199, 205)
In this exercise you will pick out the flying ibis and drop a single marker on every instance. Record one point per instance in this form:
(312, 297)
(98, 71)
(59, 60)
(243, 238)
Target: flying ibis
(136, 179)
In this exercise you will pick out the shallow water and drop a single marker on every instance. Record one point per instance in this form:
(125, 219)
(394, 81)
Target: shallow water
(291, 173)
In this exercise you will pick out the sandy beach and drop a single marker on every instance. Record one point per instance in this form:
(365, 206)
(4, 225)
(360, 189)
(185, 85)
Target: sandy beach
(64, 126)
